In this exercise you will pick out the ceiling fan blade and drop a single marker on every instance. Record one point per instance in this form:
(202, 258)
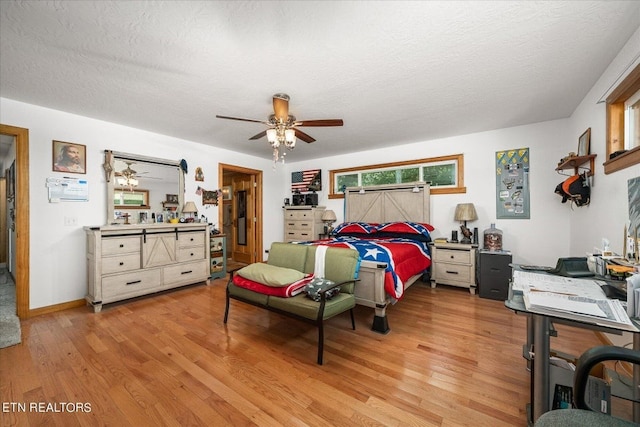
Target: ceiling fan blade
(260, 135)
(303, 136)
(318, 123)
(281, 106)
(241, 119)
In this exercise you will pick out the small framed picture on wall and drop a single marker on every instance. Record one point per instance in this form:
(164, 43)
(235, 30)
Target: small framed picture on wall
(584, 142)
(69, 157)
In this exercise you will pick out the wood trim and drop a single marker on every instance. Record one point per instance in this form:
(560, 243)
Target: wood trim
(623, 161)
(222, 167)
(22, 217)
(458, 157)
(57, 307)
(615, 123)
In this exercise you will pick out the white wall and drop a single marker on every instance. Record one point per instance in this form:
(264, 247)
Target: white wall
(608, 212)
(57, 258)
(540, 240)
(57, 252)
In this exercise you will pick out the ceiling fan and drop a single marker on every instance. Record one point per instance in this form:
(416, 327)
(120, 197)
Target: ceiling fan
(283, 127)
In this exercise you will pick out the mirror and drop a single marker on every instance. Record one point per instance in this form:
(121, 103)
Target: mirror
(142, 189)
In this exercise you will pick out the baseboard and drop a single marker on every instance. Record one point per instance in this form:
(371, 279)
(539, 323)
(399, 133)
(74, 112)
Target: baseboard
(56, 307)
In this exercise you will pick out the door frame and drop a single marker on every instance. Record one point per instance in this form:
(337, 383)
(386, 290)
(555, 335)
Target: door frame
(21, 136)
(257, 195)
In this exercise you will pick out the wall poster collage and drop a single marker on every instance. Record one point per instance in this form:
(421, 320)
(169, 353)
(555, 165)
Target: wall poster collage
(512, 184)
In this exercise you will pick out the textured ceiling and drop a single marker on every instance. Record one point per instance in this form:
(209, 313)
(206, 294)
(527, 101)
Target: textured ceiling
(396, 72)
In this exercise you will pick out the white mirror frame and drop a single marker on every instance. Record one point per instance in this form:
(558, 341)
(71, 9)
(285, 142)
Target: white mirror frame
(110, 157)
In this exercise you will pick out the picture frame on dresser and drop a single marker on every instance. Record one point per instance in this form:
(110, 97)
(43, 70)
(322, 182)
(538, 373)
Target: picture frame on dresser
(584, 143)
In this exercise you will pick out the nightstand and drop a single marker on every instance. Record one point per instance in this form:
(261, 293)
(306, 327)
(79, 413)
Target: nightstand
(454, 264)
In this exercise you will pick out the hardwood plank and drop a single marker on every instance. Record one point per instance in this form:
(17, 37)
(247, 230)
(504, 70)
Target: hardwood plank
(451, 359)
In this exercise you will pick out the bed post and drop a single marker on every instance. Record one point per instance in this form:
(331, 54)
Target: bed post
(380, 324)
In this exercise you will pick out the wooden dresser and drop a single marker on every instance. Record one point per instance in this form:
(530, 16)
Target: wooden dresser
(303, 223)
(126, 261)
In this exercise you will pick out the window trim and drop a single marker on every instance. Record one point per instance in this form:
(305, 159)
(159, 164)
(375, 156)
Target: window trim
(458, 158)
(615, 124)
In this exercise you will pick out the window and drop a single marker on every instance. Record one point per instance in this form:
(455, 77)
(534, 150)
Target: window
(623, 124)
(444, 173)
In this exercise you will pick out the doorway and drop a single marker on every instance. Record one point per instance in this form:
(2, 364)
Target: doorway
(240, 213)
(21, 217)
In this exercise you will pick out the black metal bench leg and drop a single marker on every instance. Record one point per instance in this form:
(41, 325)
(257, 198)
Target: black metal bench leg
(226, 309)
(353, 320)
(320, 341)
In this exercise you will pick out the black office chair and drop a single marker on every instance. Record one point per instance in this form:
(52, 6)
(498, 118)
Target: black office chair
(583, 415)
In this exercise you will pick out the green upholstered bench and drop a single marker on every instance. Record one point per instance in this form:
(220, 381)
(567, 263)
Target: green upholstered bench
(341, 266)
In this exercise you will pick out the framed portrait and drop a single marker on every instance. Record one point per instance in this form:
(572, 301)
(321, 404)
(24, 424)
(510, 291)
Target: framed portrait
(172, 198)
(10, 174)
(69, 157)
(583, 143)
(227, 193)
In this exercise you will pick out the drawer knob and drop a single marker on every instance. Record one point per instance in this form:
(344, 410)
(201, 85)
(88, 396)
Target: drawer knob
(121, 263)
(121, 245)
(452, 272)
(134, 282)
(451, 257)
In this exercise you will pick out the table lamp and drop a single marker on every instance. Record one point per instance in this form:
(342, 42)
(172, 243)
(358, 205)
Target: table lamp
(190, 208)
(465, 212)
(328, 217)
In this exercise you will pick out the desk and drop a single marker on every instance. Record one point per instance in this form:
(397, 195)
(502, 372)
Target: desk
(538, 334)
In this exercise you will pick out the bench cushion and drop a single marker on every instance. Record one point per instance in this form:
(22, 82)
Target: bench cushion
(308, 308)
(270, 275)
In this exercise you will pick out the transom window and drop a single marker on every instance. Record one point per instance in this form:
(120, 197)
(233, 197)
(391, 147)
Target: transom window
(444, 173)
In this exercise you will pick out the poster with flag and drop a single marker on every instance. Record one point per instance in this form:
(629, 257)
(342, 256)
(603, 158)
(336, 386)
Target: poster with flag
(306, 181)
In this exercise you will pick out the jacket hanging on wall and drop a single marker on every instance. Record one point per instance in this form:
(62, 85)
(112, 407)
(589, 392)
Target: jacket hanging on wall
(575, 188)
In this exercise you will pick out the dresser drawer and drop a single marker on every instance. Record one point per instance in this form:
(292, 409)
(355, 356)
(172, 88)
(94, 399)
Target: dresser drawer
(299, 225)
(120, 286)
(298, 214)
(120, 245)
(190, 272)
(298, 235)
(191, 254)
(451, 255)
(121, 263)
(191, 239)
(453, 273)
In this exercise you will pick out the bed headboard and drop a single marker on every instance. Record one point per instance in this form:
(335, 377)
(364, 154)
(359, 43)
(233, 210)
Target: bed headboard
(386, 203)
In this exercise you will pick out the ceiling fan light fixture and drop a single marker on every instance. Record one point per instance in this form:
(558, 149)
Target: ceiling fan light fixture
(290, 137)
(272, 136)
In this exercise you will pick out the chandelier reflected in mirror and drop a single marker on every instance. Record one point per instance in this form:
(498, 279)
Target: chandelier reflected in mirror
(128, 178)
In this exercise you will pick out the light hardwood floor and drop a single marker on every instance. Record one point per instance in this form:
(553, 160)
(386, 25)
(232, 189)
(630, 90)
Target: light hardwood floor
(451, 359)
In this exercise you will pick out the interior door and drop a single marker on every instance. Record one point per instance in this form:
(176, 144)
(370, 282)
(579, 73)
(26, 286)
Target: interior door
(243, 213)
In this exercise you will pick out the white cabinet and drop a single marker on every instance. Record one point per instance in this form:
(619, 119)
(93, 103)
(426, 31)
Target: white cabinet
(129, 261)
(303, 223)
(454, 264)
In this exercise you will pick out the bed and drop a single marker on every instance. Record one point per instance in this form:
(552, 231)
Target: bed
(384, 280)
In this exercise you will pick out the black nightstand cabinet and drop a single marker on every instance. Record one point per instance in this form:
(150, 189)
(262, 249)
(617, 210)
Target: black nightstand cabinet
(494, 274)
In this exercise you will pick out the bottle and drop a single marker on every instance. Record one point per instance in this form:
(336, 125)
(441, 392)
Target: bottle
(493, 238)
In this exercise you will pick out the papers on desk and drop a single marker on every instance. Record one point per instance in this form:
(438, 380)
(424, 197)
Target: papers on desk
(569, 298)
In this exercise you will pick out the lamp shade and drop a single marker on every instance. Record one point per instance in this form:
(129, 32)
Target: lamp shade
(189, 207)
(329, 216)
(465, 212)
